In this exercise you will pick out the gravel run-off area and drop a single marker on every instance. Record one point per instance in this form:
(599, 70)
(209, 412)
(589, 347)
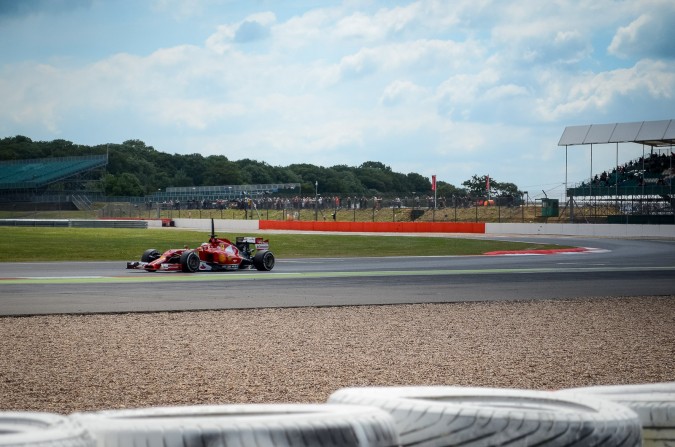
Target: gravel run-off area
(67, 363)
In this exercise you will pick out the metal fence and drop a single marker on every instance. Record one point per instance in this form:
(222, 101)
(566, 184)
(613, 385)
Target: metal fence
(354, 208)
(595, 209)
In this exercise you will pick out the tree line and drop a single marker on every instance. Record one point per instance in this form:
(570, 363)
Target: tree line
(135, 169)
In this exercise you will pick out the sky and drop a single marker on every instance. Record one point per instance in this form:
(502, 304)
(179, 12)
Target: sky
(452, 88)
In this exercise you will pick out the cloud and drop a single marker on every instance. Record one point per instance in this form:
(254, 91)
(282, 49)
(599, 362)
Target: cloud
(457, 95)
(413, 56)
(599, 94)
(426, 17)
(648, 36)
(364, 24)
(400, 92)
(49, 95)
(254, 28)
(358, 26)
(505, 92)
(250, 31)
(306, 30)
(419, 85)
(179, 9)
(194, 114)
(543, 39)
(18, 8)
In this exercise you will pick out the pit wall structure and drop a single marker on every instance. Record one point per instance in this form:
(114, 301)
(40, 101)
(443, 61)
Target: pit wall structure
(557, 229)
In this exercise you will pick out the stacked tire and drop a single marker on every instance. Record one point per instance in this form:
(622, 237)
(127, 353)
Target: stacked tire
(42, 430)
(445, 416)
(653, 403)
(623, 416)
(242, 425)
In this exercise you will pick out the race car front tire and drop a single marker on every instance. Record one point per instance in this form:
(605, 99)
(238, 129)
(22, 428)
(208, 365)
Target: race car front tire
(189, 261)
(445, 415)
(150, 255)
(258, 425)
(263, 261)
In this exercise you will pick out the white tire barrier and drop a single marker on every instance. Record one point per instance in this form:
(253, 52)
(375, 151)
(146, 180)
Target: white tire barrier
(442, 416)
(41, 430)
(654, 403)
(242, 425)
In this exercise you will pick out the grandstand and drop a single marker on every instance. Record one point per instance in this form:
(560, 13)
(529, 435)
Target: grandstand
(639, 191)
(222, 192)
(49, 180)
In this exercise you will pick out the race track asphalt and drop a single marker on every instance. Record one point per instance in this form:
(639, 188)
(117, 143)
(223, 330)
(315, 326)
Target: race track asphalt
(612, 267)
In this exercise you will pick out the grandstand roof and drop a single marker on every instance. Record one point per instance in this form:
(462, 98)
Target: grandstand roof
(651, 133)
(39, 172)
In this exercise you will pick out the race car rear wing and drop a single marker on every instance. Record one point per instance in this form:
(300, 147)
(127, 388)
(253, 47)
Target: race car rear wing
(259, 242)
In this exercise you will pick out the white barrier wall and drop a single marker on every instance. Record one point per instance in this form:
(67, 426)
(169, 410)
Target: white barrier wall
(595, 230)
(221, 225)
(532, 229)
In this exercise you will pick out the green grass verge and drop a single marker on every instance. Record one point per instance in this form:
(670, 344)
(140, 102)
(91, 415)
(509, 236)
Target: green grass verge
(19, 244)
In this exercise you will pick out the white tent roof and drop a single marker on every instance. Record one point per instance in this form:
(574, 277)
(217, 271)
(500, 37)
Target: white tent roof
(651, 133)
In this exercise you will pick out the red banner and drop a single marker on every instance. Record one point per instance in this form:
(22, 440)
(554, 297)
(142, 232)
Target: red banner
(433, 183)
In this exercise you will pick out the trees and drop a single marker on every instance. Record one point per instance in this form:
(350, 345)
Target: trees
(447, 190)
(122, 185)
(255, 172)
(308, 175)
(417, 183)
(220, 171)
(136, 169)
(477, 186)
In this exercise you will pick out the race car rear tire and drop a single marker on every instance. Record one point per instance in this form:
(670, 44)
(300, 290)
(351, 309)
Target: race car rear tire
(255, 424)
(150, 255)
(19, 428)
(264, 260)
(654, 403)
(444, 415)
(189, 261)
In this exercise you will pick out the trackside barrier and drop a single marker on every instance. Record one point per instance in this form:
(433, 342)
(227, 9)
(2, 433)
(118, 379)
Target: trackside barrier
(148, 223)
(34, 223)
(623, 415)
(221, 225)
(109, 223)
(76, 223)
(592, 230)
(375, 227)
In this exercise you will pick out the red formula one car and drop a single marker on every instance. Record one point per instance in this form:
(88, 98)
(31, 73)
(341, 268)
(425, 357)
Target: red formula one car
(218, 254)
